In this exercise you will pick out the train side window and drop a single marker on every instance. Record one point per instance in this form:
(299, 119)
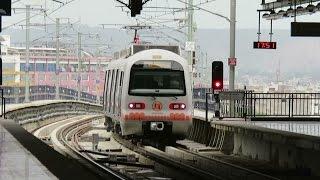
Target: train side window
(110, 90)
(120, 93)
(121, 78)
(115, 91)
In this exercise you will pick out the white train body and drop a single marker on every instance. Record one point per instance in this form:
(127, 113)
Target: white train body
(149, 93)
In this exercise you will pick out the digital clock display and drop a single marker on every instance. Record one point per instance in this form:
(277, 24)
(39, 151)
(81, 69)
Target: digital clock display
(265, 45)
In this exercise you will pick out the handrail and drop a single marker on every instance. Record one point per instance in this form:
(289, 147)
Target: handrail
(257, 105)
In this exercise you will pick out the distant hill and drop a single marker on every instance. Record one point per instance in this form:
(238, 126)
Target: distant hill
(298, 56)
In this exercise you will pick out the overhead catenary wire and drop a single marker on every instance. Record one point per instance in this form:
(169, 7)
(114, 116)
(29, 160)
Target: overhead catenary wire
(200, 8)
(47, 14)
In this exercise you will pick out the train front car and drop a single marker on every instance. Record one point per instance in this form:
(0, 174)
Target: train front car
(157, 95)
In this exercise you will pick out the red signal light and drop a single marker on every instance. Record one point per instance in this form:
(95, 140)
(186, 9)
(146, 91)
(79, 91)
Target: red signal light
(217, 84)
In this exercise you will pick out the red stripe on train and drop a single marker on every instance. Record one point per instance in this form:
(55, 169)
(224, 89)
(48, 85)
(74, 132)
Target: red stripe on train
(140, 116)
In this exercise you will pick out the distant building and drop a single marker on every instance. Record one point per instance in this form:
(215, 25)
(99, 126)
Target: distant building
(42, 68)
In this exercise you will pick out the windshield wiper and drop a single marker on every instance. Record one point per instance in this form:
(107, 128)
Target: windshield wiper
(153, 97)
(175, 97)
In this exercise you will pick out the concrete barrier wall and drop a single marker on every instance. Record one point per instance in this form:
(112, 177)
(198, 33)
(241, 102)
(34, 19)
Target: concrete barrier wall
(281, 149)
(218, 138)
(38, 112)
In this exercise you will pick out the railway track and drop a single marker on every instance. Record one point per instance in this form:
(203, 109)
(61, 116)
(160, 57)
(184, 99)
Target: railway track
(125, 160)
(62, 135)
(194, 165)
(66, 137)
(224, 169)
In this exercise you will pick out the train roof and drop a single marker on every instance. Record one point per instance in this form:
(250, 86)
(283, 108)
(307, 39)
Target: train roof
(151, 54)
(135, 48)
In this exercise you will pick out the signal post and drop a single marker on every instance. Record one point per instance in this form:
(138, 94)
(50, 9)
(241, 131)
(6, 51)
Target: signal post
(217, 84)
(217, 87)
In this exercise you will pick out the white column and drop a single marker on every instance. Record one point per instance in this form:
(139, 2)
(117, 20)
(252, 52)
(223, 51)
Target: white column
(27, 82)
(57, 58)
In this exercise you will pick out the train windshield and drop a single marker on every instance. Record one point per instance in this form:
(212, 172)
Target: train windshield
(157, 78)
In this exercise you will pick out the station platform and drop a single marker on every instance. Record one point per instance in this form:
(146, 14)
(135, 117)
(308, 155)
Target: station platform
(299, 127)
(311, 128)
(16, 162)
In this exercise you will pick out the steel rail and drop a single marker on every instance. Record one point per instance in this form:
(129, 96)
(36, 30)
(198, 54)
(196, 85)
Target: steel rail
(252, 174)
(189, 171)
(63, 134)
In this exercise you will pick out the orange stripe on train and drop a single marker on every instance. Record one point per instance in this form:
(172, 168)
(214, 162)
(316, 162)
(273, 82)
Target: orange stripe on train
(142, 117)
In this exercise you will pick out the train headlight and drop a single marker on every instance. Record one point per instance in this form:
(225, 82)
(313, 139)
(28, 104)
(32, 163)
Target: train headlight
(177, 106)
(136, 105)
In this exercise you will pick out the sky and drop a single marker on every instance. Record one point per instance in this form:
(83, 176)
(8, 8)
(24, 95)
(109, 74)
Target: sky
(95, 12)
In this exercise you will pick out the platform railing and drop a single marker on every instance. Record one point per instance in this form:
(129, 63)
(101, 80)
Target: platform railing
(249, 104)
(231, 104)
(289, 105)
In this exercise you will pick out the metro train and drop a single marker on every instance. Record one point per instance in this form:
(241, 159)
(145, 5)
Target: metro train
(148, 93)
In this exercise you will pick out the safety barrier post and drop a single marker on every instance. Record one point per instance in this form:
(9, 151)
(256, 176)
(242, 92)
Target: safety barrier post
(4, 107)
(2, 103)
(289, 106)
(217, 104)
(291, 115)
(207, 93)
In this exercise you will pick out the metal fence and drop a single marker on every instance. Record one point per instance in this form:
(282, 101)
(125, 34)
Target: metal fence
(230, 104)
(284, 104)
(243, 104)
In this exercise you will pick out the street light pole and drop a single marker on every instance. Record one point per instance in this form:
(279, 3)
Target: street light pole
(97, 76)
(27, 82)
(79, 68)
(232, 22)
(232, 43)
(190, 38)
(57, 57)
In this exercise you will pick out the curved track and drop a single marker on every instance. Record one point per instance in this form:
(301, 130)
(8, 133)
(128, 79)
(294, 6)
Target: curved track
(63, 136)
(66, 137)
